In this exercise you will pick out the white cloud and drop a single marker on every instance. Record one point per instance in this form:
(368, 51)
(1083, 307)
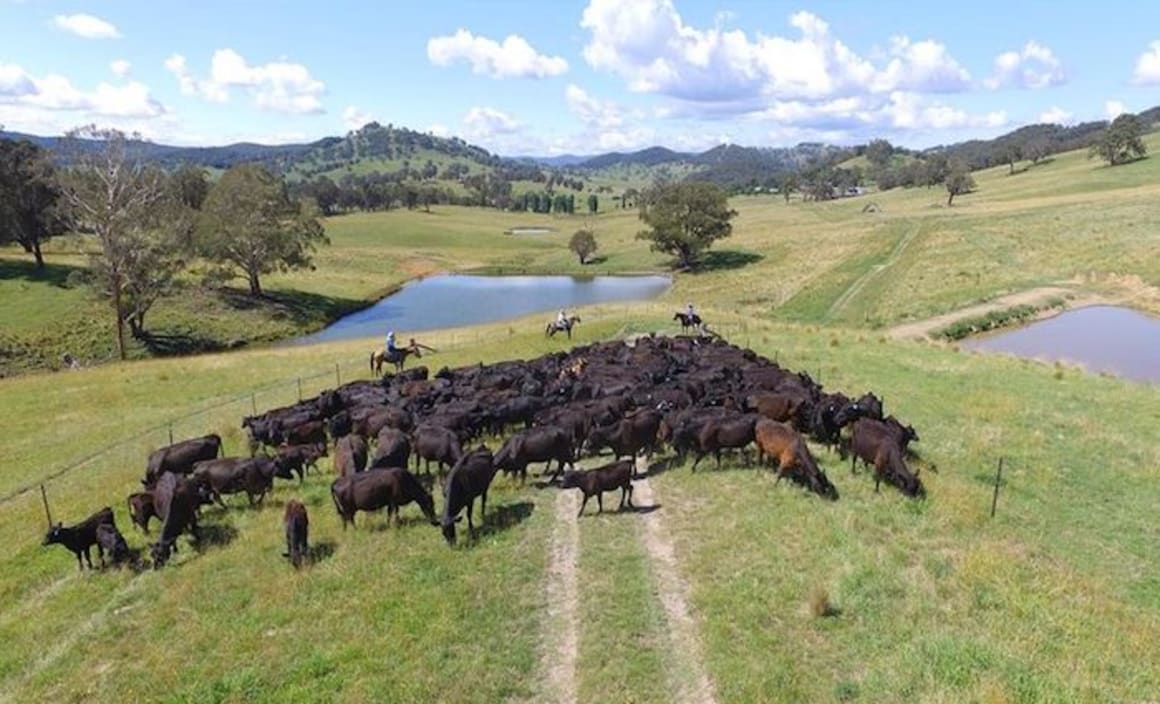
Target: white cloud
(121, 67)
(86, 26)
(355, 118)
(484, 123)
(514, 58)
(858, 117)
(649, 45)
(57, 93)
(592, 112)
(1147, 71)
(1056, 116)
(1034, 66)
(1114, 108)
(439, 130)
(279, 86)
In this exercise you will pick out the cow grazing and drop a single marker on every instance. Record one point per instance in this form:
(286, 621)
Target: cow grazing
(233, 475)
(617, 475)
(392, 450)
(540, 444)
(350, 455)
(176, 499)
(110, 540)
(81, 537)
(141, 509)
(375, 488)
(470, 477)
(297, 459)
(784, 445)
(180, 457)
(876, 444)
(297, 525)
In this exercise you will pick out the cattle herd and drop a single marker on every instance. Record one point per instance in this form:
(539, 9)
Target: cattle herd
(697, 396)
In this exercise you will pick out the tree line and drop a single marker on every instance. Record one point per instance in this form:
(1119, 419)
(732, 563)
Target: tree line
(150, 225)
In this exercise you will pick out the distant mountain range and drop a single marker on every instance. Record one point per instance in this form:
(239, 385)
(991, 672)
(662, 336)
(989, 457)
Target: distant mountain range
(404, 154)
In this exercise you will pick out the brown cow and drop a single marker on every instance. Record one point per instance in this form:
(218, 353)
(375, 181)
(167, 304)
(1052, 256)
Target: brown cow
(350, 455)
(616, 475)
(782, 443)
(297, 525)
(375, 488)
(141, 509)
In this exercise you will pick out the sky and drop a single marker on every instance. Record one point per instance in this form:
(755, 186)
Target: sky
(583, 77)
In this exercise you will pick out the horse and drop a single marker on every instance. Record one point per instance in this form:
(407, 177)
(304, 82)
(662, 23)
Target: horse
(398, 358)
(557, 326)
(688, 321)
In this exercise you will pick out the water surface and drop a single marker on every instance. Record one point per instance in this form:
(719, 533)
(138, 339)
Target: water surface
(1101, 338)
(452, 300)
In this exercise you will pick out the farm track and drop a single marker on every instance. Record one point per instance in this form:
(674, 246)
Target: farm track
(689, 680)
(862, 281)
(561, 639)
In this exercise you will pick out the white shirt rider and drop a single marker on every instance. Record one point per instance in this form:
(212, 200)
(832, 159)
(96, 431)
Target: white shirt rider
(562, 319)
(391, 341)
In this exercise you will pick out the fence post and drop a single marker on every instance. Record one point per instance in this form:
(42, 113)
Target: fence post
(171, 433)
(998, 479)
(337, 375)
(299, 388)
(47, 513)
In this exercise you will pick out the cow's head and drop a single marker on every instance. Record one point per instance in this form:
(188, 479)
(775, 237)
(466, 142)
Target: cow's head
(571, 479)
(54, 535)
(448, 527)
(160, 552)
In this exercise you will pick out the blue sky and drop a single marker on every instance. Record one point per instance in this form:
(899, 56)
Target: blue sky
(580, 77)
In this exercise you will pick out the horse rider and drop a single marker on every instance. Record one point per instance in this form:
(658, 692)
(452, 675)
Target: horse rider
(562, 320)
(691, 314)
(391, 344)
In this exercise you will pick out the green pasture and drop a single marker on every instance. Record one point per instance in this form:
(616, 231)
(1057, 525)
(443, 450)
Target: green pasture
(1055, 599)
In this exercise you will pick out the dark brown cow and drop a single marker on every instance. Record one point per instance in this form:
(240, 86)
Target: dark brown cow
(233, 475)
(470, 477)
(297, 525)
(540, 444)
(297, 459)
(617, 475)
(350, 455)
(877, 445)
(309, 433)
(180, 457)
(433, 442)
(629, 436)
(81, 537)
(110, 540)
(783, 444)
(375, 488)
(141, 509)
(730, 432)
(176, 499)
(393, 449)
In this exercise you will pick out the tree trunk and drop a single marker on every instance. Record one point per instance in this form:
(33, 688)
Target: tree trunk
(137, 326)
(950, 197)
(1012, 171)
(36, 253)
(255, 284)
(120, 318)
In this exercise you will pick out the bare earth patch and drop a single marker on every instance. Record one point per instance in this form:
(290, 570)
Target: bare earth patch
(692, 683)
(561, 639)
(924, 328)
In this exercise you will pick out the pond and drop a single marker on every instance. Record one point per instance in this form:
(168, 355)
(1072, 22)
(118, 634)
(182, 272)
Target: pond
(1101, 338)
(452, 300)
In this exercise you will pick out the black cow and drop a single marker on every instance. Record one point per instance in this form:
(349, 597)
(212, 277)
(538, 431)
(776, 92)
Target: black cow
(180, 457)
(81, 537)
(375, 488)
(433, 442)
(470, 477)
(297, 524)
(617, 475)
(233, 475)
(393, 449)
(297, 459)
(629, 436)
(350, 455)
(176, 499)
(110, 540)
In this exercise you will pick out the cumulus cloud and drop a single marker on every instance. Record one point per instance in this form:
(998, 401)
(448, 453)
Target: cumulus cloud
(844, 119)
(120, 67)
(592, 112)
(86, 26)
(355, 118)
(57, 93)
(279, 86)
(513, 58)
(1056, 116)
(484, 122)
(650, 46)
(1147, 71)
(1114, 108)
(1034, 66)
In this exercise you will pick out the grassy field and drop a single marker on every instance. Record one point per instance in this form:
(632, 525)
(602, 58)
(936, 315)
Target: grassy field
(1069, 220)
(1056, 599)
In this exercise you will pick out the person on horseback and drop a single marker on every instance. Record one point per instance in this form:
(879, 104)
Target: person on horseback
(562, 320)
(391, 344)
(692, 316)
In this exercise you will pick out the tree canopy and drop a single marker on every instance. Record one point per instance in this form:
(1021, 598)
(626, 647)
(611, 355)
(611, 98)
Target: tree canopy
(958, 180)
(684, 219)
(250, 224)
(583, 244)
(1121, 142)
(29, 197)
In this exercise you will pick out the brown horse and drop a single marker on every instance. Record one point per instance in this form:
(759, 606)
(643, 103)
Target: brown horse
(556, 326)
(398, 358)
(688, 321)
